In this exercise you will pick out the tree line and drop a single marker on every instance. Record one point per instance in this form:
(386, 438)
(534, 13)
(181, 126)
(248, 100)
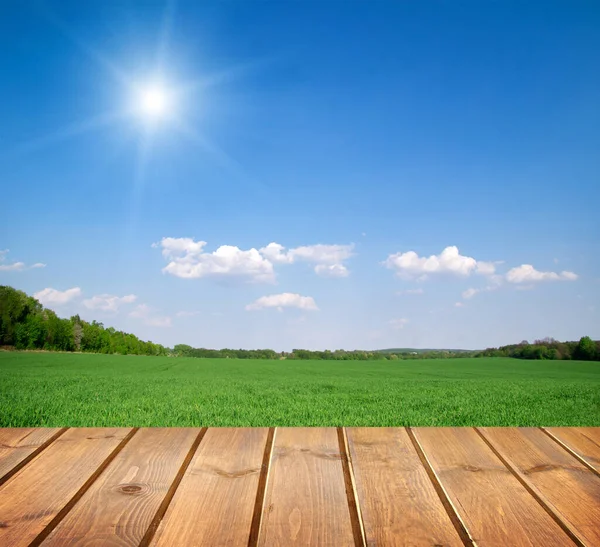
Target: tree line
(548, 348)
(183, 350)
(26, 324)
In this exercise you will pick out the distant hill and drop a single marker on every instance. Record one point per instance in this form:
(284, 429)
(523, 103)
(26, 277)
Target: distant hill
(421, 350)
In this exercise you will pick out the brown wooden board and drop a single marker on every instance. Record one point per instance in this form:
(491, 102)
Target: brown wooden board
(215, 500)
(306, 501)
(35, 495)
(19, 443)
(495, 507)
(563, 483)
(399, 503)
(119, 507)
(583, 441)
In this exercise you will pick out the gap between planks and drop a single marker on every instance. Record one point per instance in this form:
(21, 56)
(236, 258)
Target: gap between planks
(259, 505)
(358, 527)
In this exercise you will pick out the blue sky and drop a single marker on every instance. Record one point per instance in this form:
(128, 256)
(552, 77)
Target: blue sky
(428, 172)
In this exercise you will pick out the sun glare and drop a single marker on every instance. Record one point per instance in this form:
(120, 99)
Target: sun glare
(154, 102)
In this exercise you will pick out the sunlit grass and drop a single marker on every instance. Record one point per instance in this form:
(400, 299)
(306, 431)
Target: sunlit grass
(47, 389)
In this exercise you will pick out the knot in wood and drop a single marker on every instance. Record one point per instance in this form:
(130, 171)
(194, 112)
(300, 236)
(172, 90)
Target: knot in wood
(129, 488)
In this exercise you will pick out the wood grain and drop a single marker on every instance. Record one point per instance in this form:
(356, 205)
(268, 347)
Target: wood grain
(19, 443)
(33, 497)
(583, 441)
(398, 501)
(567, 486)
(306, 501)
(214, 503)
(495, 507)
(118, 508)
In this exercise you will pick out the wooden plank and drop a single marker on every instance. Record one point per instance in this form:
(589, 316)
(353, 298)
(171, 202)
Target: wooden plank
(215, 501)
(18, 444)
(565, 485)
(582, 441)
(33, 497)
(495, 507)
(306, 501)
(119, 506)
(399, 503)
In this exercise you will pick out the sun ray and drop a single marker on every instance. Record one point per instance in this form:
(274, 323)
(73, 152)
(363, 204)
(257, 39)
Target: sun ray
(165, 34)
(226, 75)
(219, 155)
(111, 67)
(73, 130)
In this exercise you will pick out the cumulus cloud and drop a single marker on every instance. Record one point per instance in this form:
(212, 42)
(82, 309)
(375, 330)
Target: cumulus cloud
(398, 323)
(328, 259)
(108, 302)
(410, 265)
(187, 259)
(276, 254)
(284, 300)
(147, 315)
(53, 297)
(16, 266)
(526, 273)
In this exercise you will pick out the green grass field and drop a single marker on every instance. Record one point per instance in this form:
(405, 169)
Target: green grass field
(51, 389)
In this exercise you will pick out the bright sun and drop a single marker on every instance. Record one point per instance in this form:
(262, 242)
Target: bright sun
(154, 102)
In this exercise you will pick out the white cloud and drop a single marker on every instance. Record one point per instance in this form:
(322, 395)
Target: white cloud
(16, 266)
(486, 268)
(53, 297)
(284, 300)
(328, 258)
(410, 291)
(108, 302)
(526, 273)
(146, 313)
(275, 253)
(323, 254)
(332, 270)
(410, 265)
(187, 260)
(398, 323)
(458, 305)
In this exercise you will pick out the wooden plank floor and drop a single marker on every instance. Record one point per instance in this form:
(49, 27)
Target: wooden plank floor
(300, 486)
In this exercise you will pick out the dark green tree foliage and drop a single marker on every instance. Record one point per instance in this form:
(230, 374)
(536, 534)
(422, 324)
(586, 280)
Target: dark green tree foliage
(25, 324)
(548, 348)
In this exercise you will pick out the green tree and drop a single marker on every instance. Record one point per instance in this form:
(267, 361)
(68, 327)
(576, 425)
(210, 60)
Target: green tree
(586, 349)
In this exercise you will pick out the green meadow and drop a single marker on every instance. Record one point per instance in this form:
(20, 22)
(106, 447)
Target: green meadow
(61, 389)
